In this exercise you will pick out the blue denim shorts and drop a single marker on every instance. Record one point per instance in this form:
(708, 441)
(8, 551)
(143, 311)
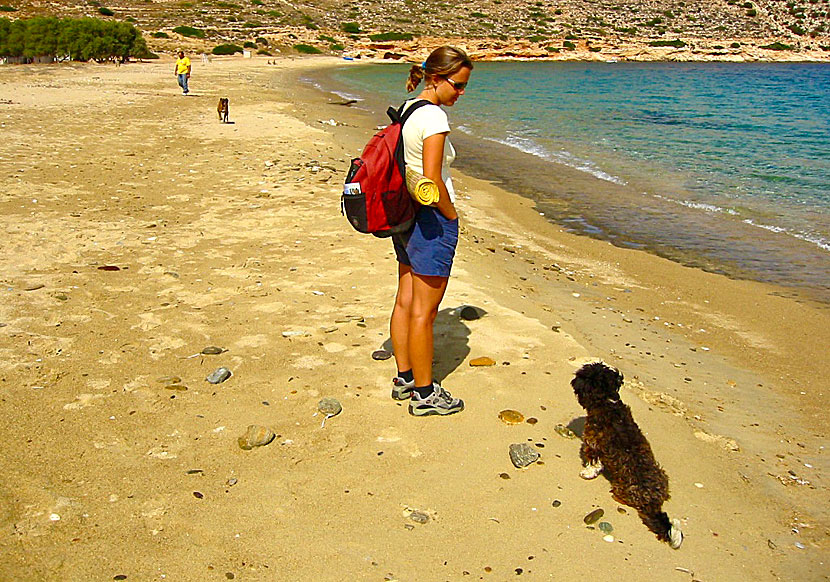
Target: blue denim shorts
(429, 247)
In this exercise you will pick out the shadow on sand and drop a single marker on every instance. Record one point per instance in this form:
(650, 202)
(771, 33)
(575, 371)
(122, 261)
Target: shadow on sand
(451, 345)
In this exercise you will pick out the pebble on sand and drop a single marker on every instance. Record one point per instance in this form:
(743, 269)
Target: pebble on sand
(330, 406)
(256, 436)
(219, 375)
(213, 350)
(564, 431)
(594, 516)
(419, 517)
(469, 313)
(294, 333)
(511, 416)
(483, 361)
(522, 455)
(381, 355)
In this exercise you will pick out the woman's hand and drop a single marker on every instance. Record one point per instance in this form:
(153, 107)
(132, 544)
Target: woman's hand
(450, 213)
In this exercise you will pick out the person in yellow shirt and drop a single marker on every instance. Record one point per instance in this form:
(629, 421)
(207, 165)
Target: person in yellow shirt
(183, 72)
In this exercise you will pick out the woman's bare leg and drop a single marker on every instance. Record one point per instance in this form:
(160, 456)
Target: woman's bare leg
(399, 322)
(427, 293)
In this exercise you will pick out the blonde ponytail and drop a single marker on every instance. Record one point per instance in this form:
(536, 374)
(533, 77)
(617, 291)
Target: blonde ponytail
(416, 74)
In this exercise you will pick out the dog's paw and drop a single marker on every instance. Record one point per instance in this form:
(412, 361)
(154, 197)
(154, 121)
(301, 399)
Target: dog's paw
(591, 470)
(675, 535)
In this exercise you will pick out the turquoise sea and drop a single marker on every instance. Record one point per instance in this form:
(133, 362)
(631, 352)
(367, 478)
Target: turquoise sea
(721, 166)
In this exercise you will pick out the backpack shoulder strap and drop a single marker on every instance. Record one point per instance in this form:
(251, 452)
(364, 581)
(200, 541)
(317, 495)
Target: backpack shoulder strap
(400, 116)
(404, 115)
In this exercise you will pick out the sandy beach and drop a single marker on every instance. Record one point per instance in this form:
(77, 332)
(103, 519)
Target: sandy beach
(140, 230)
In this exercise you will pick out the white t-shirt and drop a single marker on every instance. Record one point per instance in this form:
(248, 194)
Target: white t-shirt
(425, 121)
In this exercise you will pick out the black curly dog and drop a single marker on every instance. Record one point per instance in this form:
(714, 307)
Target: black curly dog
(613, 444)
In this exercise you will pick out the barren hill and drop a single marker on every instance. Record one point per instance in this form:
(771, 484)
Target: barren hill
(601, 29)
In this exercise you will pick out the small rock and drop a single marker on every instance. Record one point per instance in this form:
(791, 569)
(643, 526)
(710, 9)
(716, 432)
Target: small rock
(219, 376)
(213, 351)
(198, 495)
(504, 475)
(483, 361)
(381, 355)
(329, 406)
(120, 577)
(556, 503)
(232, 481)
(605, 527)
(169, 380)
(329, 329)
(469, 313)
(608, 538)
(34, 287)
(532, 420)
(293, 333)
(594, 516)
(255, 436)
(511, 416)
(522, 455)
(419, 517)
(564, 431)
(109, 268)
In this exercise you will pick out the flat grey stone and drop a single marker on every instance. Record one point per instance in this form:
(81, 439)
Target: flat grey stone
(219, 376)
(522, 455)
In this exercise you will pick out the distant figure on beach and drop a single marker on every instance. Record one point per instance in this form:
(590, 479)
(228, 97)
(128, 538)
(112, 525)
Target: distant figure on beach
(426, 252)
(183, 72)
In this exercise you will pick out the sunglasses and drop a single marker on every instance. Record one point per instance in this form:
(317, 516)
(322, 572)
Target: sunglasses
(458, 86)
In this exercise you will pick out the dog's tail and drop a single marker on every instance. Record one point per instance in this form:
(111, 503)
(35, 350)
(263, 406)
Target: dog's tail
(667, 530)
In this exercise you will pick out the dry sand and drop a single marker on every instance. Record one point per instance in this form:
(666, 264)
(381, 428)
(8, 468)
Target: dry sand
(230, 235)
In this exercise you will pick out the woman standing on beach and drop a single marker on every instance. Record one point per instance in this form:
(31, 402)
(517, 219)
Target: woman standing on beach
(425, 253)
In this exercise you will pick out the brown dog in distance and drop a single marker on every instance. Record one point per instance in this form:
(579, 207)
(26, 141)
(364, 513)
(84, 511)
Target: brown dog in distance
(612, 444)
(222, 109)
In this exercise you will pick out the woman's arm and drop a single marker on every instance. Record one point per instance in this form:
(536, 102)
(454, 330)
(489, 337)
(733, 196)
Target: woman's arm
(433, 156)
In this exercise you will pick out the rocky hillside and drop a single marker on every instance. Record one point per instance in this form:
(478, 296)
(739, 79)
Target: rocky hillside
(599, 29)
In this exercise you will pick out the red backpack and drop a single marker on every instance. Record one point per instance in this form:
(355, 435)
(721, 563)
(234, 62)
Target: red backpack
(375, 199)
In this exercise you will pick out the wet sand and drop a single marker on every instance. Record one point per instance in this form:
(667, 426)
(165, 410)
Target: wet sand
(230, 235)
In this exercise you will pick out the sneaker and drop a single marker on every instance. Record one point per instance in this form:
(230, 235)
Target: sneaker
(439, 402)
(401, 389)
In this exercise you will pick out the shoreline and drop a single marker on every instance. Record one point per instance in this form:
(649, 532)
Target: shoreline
(224, 249)
(612, 211)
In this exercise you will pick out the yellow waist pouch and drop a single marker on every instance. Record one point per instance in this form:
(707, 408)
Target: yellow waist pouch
(423, 190)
